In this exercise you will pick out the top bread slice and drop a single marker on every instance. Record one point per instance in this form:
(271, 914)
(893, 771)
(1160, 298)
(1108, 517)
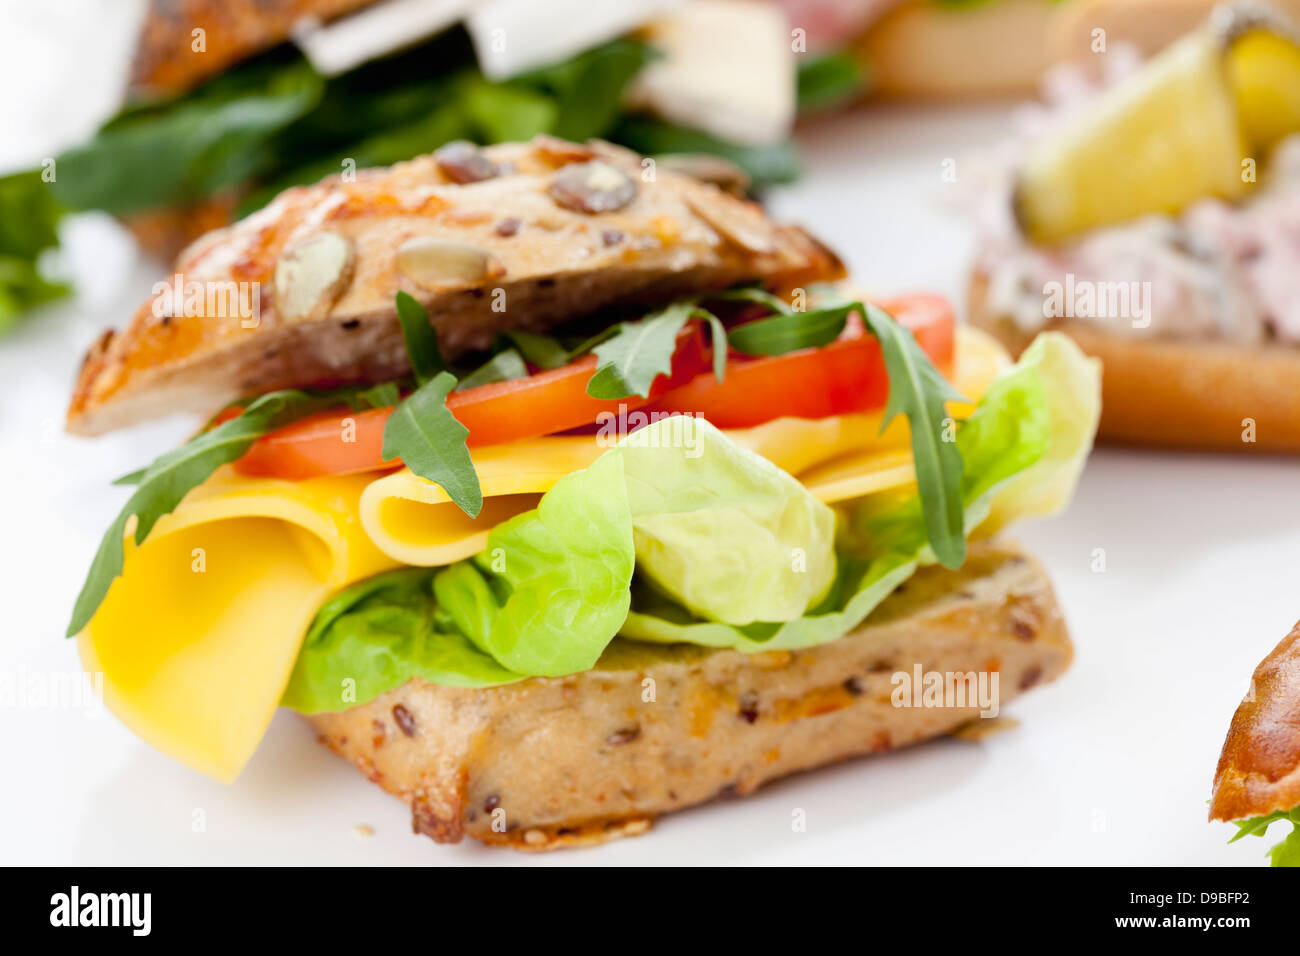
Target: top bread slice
(1259, 768)
(518, 236)
(166, 59)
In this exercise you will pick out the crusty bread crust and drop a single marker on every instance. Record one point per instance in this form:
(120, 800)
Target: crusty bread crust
(1196, 395)
(164, 233)
(598, 755)
(166, 62)
(1149, 25)
(541, 262)
(1259, 768)
(928, 51)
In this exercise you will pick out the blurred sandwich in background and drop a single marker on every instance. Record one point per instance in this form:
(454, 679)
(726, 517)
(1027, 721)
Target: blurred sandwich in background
(978, 48)
(1152, 212)
(229, 103)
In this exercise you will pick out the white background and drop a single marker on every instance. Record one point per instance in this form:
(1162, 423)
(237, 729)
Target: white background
(1112, 764)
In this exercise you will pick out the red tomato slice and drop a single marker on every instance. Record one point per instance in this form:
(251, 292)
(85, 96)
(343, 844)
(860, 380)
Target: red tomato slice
(339, 442)
(846, 376)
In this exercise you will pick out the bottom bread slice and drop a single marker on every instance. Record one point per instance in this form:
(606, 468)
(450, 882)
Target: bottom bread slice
(551, 762)
(1177, 394)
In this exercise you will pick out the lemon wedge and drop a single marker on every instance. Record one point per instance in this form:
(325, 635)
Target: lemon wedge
(1190, 124)
(1264, 71)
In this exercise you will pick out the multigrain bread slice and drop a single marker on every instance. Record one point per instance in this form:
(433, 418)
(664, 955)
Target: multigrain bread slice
(1195, 395)
(1259, 768)
(556, 762)
(515, 236)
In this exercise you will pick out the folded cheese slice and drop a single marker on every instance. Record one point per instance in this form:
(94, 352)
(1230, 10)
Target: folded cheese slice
(198, 637)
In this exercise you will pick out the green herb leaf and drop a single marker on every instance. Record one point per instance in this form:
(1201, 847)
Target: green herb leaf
(828, 81)
(506, 112)
(638, 353)
(358, 398)
(132, 478)
(505, 366)
(789, 332)
(421, 339)
(589, 89)
(754, 294)
(216, 138)
(29, 219)
(383, 395)
(767, 165)
(426, 436)
(1285, 853)
(542, 350)
(1256, 826)
(919, 391)
(164, 483)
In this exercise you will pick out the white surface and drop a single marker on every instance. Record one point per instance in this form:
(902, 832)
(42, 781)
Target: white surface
(1112, 764)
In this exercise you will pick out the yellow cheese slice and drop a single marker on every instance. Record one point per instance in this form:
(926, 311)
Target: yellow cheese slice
(197, 639)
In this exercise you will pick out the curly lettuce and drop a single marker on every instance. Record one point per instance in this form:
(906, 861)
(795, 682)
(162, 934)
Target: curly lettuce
(1286, 853)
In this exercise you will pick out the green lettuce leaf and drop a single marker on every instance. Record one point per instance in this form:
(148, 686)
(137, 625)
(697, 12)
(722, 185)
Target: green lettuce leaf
(555, 579)
(1286, 853)
(377, 635)
(721, 530)
(1024, 425)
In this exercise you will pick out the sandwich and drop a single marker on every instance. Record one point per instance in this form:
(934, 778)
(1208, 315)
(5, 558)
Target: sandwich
(959, 49)
(1150, 216)
(559, 491)
(229, 103)
(1257, 782)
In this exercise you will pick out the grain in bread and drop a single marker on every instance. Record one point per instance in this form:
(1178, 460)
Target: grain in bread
(587, 758)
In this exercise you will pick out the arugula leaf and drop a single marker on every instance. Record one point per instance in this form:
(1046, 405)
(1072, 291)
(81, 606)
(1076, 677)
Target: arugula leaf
(790, 331)
(919, 391)
(421, 339)
(426, 436)
(506, 113)
(589, 89)
(356, 397)
(542, 350)
(132, 477)
(505, 366)
(164, 483)
(750, 293)
(638, 353)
